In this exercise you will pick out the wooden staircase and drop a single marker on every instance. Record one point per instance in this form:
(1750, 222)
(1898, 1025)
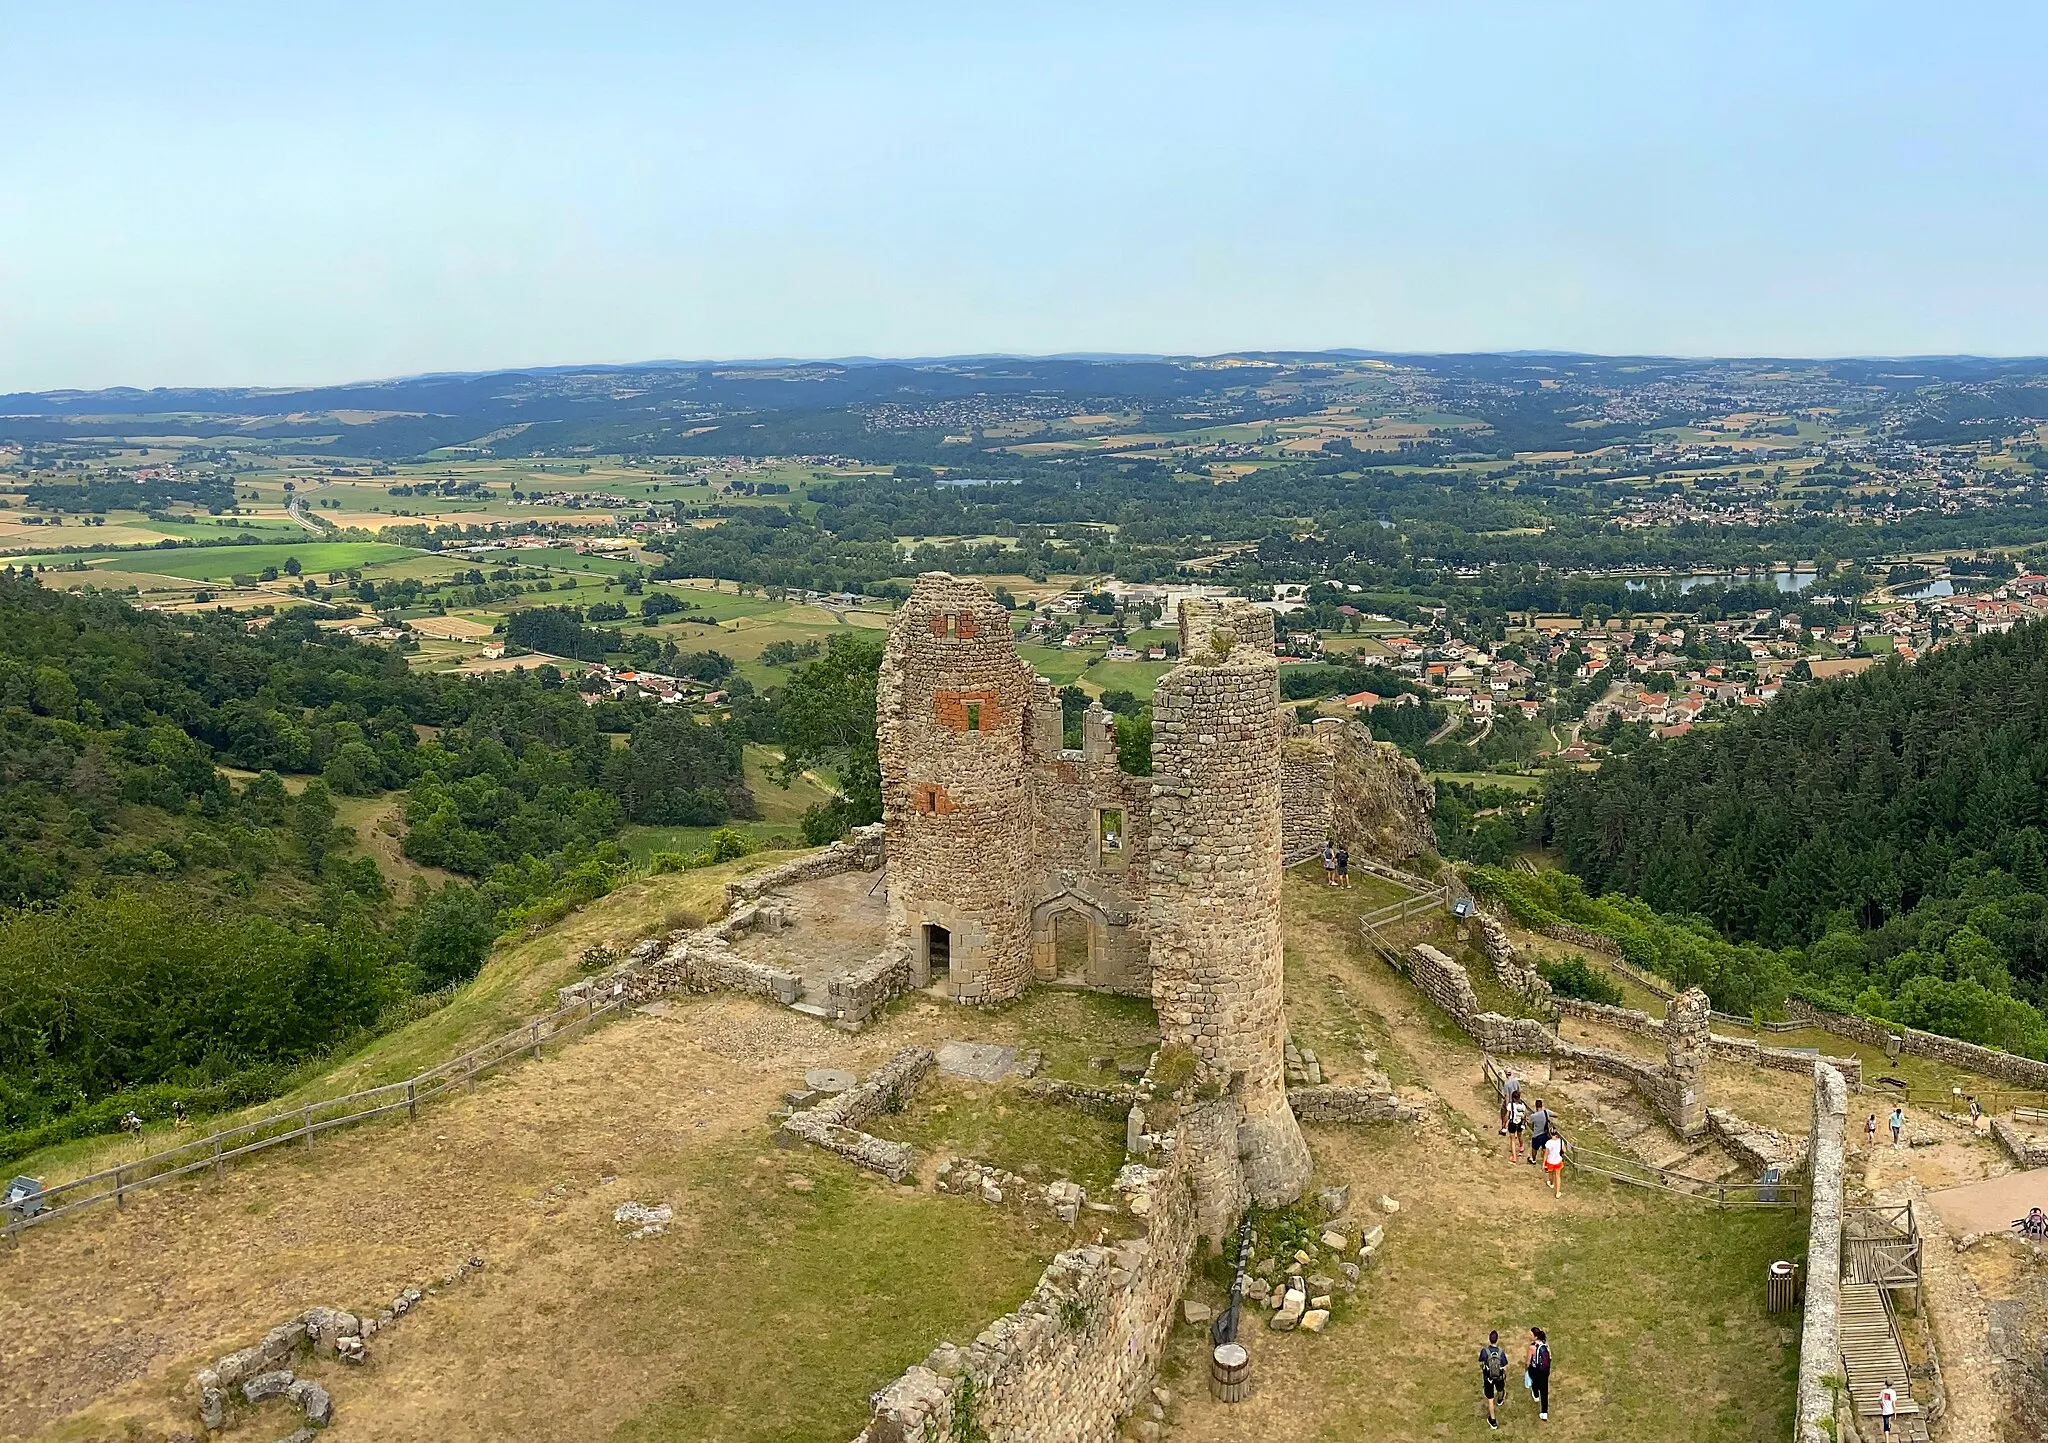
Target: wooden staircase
(1871, 1354)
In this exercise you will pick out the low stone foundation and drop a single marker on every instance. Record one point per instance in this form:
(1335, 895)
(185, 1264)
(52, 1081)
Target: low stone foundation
(1755, 1146)
(860, 851)
(835, 1124)
(2023, 1150)
(1074, 1360)
(1331, 1103)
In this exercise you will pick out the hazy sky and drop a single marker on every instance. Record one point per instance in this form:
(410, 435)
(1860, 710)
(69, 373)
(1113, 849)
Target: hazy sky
(287, 193)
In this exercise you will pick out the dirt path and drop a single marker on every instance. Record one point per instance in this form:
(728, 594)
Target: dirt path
(1955, 1305)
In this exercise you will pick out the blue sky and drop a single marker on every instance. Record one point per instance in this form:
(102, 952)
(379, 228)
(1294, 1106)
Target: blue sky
(281, 194)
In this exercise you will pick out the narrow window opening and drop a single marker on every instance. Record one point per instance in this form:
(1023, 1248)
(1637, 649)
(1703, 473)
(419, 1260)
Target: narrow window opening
(974, 716)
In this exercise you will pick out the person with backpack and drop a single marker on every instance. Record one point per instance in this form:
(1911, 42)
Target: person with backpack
(1329, 865)
(1511, 1091)
(1493, 1376)
(1343, 865)
(1517, 1115)
(1538, 1376)
(1540, 1123)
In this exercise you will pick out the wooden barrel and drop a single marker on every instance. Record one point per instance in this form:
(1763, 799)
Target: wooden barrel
(1782, 1288)
(1230, 1373)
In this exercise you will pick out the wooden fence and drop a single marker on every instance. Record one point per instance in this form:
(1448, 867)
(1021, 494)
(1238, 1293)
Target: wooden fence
(1881, 1245)
(301, 1125)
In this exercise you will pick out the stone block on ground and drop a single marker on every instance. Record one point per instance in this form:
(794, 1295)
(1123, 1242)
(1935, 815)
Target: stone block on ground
(975, 1061)
(1314, 1320)
(1197, 1314)
(1387, 1205)
(314, 1399)
(1334, 1201)
(265, 1386)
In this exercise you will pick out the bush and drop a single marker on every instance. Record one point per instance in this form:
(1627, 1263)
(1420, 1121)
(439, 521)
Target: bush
(1575, 977)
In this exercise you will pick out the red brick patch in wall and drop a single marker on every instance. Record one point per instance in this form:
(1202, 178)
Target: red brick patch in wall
(960, 624)
(931, 799)
(966, 711)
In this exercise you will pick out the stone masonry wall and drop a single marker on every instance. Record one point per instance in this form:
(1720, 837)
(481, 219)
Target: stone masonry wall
(1988, 1061)
(1215, 883)
(1332, 1103)
(836, 1123)
(1820, 1336)
(2023, 1150)
(861, 851)
(951, 708)
(1308, 767)
(1075, 868)
(1442, 981)
(1078, 1355)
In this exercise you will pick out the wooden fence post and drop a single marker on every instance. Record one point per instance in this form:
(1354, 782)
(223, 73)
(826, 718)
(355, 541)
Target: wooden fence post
(306, 1125)
(412, 1102)
(536, 1039)
(220, 1168)
(120, 1190)
(469, 1064)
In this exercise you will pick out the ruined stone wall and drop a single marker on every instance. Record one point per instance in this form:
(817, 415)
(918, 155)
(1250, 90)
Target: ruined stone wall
(1442, 981)
(1078, 1356)
(1686, 1024)
(951, 712)
(1988, 1061)
(1308, 773)
(1820, 1336)
(1624, 1019)
(861, 851)
(1755, 1146)
(1215, 883)
(2023, 1150)
(1332, 1103)
(836, 1123)
(1079, 867)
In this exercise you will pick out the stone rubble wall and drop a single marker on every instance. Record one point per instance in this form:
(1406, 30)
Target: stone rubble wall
(965, 1177)
(1443, 982)
(1334, 1103)
(853, 996)
(1673, 1089)
(1755, 1146)
(1115, 1101)
(860, 851)
(259, 1369)
(2023, 1150)
(835, 1123)
(1521, 980)
(1622, 1019)
(1073, 869)
(1592, 941)
(1308, 771)
(1820, 1336)
(1988, 1061)
(1080, 1353)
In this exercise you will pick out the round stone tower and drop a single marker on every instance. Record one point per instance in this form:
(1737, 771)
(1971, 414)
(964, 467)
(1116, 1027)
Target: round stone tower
(1215, 891)
(950, 714)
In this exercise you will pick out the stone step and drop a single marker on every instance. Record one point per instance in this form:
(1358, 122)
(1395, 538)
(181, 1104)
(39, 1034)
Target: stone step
(811, 1009)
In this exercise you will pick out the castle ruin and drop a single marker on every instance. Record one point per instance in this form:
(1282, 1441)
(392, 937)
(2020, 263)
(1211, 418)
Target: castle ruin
(998, 835)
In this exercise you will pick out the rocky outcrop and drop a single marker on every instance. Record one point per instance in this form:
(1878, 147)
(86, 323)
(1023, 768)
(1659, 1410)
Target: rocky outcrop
(1379, 800)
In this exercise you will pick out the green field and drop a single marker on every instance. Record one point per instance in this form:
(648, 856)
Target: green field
(213, 563)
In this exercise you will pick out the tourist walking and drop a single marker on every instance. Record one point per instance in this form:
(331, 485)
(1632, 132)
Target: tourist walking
(1510, 1091)
(1539, 1372)
(1887, 1405)
(1329, 865)
(1540, 1123)
(1343, 865)
(1553, 1164)
(1518, 1113)
(1870, 1134)
(1898, 1124)
(1493, 1376)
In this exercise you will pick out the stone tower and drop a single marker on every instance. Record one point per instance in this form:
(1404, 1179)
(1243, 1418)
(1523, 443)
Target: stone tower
(1687, 1020)
(951, 709)
(1215, 892)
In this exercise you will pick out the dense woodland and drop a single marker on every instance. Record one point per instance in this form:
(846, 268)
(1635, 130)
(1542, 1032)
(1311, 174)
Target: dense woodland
(1881, 833)
(179, 911)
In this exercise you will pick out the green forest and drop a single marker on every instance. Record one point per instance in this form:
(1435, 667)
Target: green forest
(1879, 835)
(181, 917)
